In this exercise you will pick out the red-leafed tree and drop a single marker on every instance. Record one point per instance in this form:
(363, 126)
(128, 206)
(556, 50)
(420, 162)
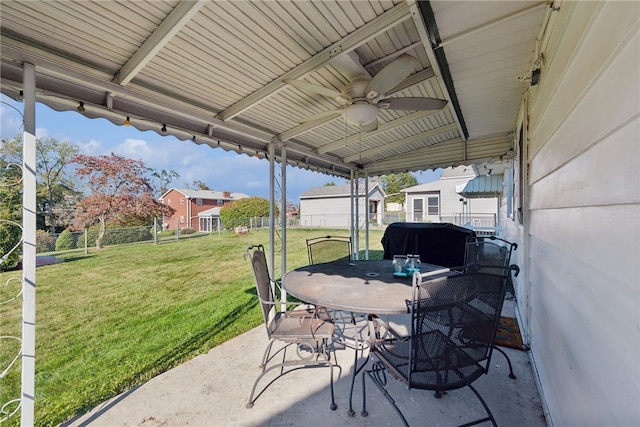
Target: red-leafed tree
(119, 193)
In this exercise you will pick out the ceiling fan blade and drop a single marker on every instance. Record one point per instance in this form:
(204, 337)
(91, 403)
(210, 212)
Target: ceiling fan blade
(326, 115)
(416, 104)
(391, 75)
(313, 88)
(371, 126)
(349, 65)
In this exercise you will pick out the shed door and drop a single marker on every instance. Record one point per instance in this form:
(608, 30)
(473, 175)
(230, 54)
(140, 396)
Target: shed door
(418, 209)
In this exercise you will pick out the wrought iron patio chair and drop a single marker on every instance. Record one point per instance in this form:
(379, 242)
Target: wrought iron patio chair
(439, 356)
(307, 331)
(483, 254)
(335, 248)
(329, 248)
(490, 255)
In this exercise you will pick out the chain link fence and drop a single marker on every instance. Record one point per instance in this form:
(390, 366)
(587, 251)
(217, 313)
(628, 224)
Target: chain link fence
(82, 240)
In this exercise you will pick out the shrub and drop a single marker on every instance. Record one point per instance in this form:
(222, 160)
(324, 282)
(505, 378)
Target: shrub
(119, 236)
(10, 235)
(239, 212)
(66, 240)
(187, 231)
(45, 242)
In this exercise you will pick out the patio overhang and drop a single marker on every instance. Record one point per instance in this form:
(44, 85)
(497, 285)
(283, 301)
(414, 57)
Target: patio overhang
(213, 73)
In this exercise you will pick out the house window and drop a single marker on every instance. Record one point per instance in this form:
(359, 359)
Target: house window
(181, 219)
(417, 209)
(220, 202)
(433, 207)
(169, 202)
(181, 201)
(199, 201)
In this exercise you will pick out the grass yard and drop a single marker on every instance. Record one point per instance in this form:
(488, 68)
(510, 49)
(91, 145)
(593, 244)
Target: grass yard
(111, 320)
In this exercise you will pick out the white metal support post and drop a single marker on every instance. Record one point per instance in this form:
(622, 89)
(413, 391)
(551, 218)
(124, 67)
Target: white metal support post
(283, 214)
(29, 248)
(356, 223)
(367, 214)
(272, 210)
(351, 213)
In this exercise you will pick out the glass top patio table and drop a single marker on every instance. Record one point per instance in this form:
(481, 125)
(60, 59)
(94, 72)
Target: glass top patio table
(355, 286)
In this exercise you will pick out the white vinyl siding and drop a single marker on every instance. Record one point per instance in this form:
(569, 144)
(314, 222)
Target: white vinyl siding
(578, 300)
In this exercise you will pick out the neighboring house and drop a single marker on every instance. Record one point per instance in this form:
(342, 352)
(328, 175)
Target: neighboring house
(394, 207)
(329, 205)
(196, 209)
(458, 197)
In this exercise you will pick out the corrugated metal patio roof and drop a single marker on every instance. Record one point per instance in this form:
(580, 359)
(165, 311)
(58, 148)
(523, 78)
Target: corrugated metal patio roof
(213, 72)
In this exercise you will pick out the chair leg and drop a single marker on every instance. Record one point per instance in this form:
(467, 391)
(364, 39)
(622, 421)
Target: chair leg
(511, 374)
(333, 405)
(356, 370)
(294, 366)
(378, 376)
(265, 356)
(486, 408)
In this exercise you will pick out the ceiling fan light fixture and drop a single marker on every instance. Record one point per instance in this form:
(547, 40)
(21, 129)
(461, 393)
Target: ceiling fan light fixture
(360, 114)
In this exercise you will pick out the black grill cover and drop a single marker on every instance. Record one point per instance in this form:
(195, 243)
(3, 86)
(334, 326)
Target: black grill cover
(436, 243)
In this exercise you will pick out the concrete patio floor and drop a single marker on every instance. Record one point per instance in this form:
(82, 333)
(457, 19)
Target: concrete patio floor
(213, 389)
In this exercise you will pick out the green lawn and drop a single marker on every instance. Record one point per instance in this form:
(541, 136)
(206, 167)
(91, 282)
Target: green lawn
(113, 319)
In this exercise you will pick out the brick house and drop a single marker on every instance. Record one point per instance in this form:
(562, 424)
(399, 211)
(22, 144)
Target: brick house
(189, 204)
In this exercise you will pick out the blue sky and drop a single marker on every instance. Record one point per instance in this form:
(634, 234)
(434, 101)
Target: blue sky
(220, 170)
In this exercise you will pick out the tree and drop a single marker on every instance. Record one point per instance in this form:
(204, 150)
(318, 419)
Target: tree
(392, 184)
(329, 184)
(240, 211)
(119, 193)
(52, 157)
(10, 213)
(55, 192)
(165, 177)
(200, 185)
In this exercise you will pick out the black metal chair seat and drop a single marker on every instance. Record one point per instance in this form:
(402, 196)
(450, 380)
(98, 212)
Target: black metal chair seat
(440, 354)
(442, 366)
(485, 255)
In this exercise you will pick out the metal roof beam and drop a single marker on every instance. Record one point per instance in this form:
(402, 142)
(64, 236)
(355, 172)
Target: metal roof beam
(379, 25)
(168, 28)
(401, 142)
(440, 155)
(48, 70)
(409, 118)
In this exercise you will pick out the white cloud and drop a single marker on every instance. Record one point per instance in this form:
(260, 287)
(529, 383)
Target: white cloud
(93, 147)
(10, 122)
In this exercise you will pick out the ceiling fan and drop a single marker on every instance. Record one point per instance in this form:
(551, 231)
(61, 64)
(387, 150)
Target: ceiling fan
(364, 96)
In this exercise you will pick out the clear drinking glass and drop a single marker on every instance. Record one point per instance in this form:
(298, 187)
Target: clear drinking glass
(412, 264)
(416, 263)
(398, 263)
